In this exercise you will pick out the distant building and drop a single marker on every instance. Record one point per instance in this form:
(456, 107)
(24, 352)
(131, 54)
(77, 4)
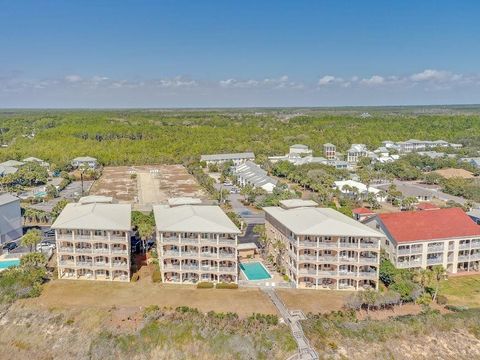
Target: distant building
(356, 152)
(84, 162)
(300, 149)
(362, 213)
(421, 239)
(323, 249)
(475, 161)
(413, 145)
(36, 160)
(12, 163)
(250, 173)
(330, 151)
(351, 187)
(93, 240)
(237, 158)
(196, 243)
(409, 190)
(7, 170)
(10, 219)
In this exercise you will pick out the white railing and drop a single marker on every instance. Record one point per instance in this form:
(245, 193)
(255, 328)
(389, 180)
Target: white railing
(307, 257)
(327, 258)
(438, 260)
(208, 254)
(229, 269)
(438, 248)
(189, 267)
(308, 271)
(348, 245)
(327, 272)
(171, 253)
(171, 267)
(66, 249)
(369, 274)
(84, 250)
(226, 255)
(328, 244)
(307, 244)
(189, 241)
(369, 260)
(348, 259)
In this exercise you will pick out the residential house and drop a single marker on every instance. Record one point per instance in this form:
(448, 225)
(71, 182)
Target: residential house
(356, 152)
(250, 173)
(421, 239)
(322, 248)
(329, 151)
(85, 162)
(36, 160)
(236, 158)
(362, 213)
(12, 163)
(410, 190)
(10, 219)
(93, 240)
(196, 243)
(352, 187)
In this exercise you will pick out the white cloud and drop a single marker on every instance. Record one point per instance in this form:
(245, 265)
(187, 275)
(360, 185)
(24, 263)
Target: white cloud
(327, 80)
(374, 80)
(268, 83)
(73, 78)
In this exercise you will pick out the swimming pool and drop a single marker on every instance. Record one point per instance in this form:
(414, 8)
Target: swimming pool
(4, 264)
(255, 271)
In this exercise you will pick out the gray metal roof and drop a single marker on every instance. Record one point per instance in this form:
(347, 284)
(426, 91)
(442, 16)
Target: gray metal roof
(319, 222)
(7, 198)
(254, 174)
(226, 157)
(5, 170)
(193, 218)
(96, 216)
(299, 146)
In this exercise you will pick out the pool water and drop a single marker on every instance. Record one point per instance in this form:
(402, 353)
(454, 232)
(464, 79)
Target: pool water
(4, 264)
(255, 271)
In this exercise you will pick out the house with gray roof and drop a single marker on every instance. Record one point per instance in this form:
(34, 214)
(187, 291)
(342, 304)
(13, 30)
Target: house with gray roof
(85, 162)
(237, 158)
(323, 249)
(93, 240)
(196, 242)
(10, 219)
(250, 173)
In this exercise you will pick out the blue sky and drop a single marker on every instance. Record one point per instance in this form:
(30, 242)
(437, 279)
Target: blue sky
(238, 53)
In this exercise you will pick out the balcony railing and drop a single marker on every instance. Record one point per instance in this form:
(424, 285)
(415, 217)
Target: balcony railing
(464, 246)
(119, 264)
(368, 274)
(66, 249)
(369, 260)
(348, 245)
(307, 257)
(438, 248)
(463, 257)
(348, 259)
(83, 250)
(208, 254)
(368, 245)
(226, 255)
(189, 240)
(432, 261)
(327, 272)
(327, 258)
(327, 244)
(475, 244)
(119, 251)
(170, 239)
(229, 269)
(307, 244)
(171, 267)
(190, 267)
(101, 250)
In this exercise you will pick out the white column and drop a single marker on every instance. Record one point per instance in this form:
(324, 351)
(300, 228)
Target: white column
(456, 248)
(424, 255)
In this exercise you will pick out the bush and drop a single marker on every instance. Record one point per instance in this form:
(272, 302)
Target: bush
(135, 277)
(156, 276)
(456, 308)
(223, 285)
(150, 311)
(20, 282)
(442, 300)
(205, 285)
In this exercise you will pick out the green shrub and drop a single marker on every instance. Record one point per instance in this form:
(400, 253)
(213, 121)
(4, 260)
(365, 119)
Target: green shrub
(223, 285)
(456, 308)
(442, 300)
(150, 310)
(135, 277)
(156, 276)
(205, 285)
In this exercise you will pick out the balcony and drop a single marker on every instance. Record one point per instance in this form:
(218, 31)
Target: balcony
(327, 258)
(347, 259)
(368, 274)
(83, 237)
(368, 260)
(208, 268)
(327, 272)
(119, 251)
(307, 257)
(208, 254)
(67, 263)
(119, 264)
(101, 250)
(170, 240)
(438, 248)
(171, 253)
(328, 245)
(464, 246)
(84, 263)
(307, 244)
(463, 257)
(226, 255)
(189, 253)
(346, 245)
(171, 267)
(475, 256)
(475, 245)
(307, 271)
(190, 267)
(223, 241)
(369, 245)
(118, 238)
(66, 249)
(228, 269)
(433, 261)
(83, 250)
(189, 240)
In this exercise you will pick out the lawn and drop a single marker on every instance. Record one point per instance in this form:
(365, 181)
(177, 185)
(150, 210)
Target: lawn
(67, 293)
(462, 290)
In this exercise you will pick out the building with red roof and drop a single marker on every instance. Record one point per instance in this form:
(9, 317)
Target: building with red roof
(419, 239)
(361, 213)
(426, 206)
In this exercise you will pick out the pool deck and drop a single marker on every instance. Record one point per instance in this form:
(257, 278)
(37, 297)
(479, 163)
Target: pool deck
(257, 262)
(275, 280)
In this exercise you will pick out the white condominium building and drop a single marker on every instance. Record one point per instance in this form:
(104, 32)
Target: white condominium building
(236, 158)
(196, 243)
(93, 240)
(10, 219)
(421, 239)
(322, 248)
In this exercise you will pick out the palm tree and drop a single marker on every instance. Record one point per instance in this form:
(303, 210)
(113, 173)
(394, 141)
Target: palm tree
(33, 260)
(31, 238)
(438, 272)
(424, 277)
(145, 231)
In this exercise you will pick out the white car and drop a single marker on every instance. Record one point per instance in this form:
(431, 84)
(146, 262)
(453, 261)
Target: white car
(43, 246)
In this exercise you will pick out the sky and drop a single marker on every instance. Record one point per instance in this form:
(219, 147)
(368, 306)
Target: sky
(226, 53)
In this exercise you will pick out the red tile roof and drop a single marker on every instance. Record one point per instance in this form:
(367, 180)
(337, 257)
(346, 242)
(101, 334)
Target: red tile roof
(426, 206)
(362, 210)
(429, 225)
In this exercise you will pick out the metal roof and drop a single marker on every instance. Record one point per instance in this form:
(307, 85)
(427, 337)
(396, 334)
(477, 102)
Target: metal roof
(7, 198)
(193, 218)
(231, 156)
(12, 163)
(319, 221)
(96, 216)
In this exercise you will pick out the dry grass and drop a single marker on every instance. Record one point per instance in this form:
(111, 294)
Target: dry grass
(67, 293)
(450, 173)
(314, 301)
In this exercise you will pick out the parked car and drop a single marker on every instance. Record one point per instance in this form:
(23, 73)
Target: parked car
(44, 245)
(10, 246)
(49, 234)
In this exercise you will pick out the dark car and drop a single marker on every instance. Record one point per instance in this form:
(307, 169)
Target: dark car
(10, 246)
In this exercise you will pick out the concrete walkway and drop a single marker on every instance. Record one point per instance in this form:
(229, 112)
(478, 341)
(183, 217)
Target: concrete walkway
(293, 318)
